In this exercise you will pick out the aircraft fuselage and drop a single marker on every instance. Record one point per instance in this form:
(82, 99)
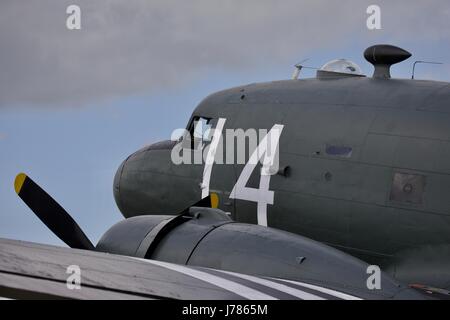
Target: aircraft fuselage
(366, 166)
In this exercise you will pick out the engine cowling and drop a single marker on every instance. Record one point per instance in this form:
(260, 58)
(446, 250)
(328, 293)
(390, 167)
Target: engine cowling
(209, 238)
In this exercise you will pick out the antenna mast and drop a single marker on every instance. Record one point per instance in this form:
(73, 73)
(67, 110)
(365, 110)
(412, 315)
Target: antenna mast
(420, 61)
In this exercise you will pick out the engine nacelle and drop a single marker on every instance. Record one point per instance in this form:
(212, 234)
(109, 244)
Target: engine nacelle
(209, 238)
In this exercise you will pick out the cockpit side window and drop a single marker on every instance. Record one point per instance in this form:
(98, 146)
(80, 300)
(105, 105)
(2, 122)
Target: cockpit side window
(199, 132)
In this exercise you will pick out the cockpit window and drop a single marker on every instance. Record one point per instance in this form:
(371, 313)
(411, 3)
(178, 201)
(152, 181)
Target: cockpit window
(202, 128)
(199, 131)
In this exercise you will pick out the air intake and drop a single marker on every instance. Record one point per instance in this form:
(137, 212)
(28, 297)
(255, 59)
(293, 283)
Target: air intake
(382, 56)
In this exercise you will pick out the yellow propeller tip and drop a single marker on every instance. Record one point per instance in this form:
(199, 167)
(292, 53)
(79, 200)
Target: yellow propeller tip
(18, 183)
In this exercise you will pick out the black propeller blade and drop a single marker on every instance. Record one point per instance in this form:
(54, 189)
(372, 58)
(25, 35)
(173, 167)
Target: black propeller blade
(206, 202)
(51, 213)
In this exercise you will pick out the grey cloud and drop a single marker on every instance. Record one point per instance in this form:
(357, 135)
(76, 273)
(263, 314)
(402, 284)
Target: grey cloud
(133, 47)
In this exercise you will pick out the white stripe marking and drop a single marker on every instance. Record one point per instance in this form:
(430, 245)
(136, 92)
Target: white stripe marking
(277, 286)
(228, 285)
(334, 293)
(210, 158)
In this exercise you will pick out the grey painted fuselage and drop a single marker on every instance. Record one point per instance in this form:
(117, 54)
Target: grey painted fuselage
(369, 164)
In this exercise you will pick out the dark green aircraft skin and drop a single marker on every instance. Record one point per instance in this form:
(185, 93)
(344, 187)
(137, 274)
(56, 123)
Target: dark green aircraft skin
(369, 164)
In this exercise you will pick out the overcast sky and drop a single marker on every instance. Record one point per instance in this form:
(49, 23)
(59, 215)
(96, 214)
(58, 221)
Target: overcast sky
(75, 103)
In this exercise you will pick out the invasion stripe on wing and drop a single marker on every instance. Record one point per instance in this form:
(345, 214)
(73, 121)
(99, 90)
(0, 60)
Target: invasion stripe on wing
(331, 292)
(275, 285)
(250, 293)
(228, 285)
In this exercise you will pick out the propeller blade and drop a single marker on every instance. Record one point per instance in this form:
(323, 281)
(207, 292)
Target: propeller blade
(206, 202)
(51, 213)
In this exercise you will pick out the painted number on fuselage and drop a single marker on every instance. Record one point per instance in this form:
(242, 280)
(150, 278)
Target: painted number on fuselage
(211, 156)
(268, 151)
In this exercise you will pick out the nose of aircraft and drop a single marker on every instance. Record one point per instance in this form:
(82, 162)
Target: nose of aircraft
(147, 182)
(116, 185)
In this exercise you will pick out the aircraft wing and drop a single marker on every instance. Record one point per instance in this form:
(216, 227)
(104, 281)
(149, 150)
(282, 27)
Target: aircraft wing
(35, 271)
